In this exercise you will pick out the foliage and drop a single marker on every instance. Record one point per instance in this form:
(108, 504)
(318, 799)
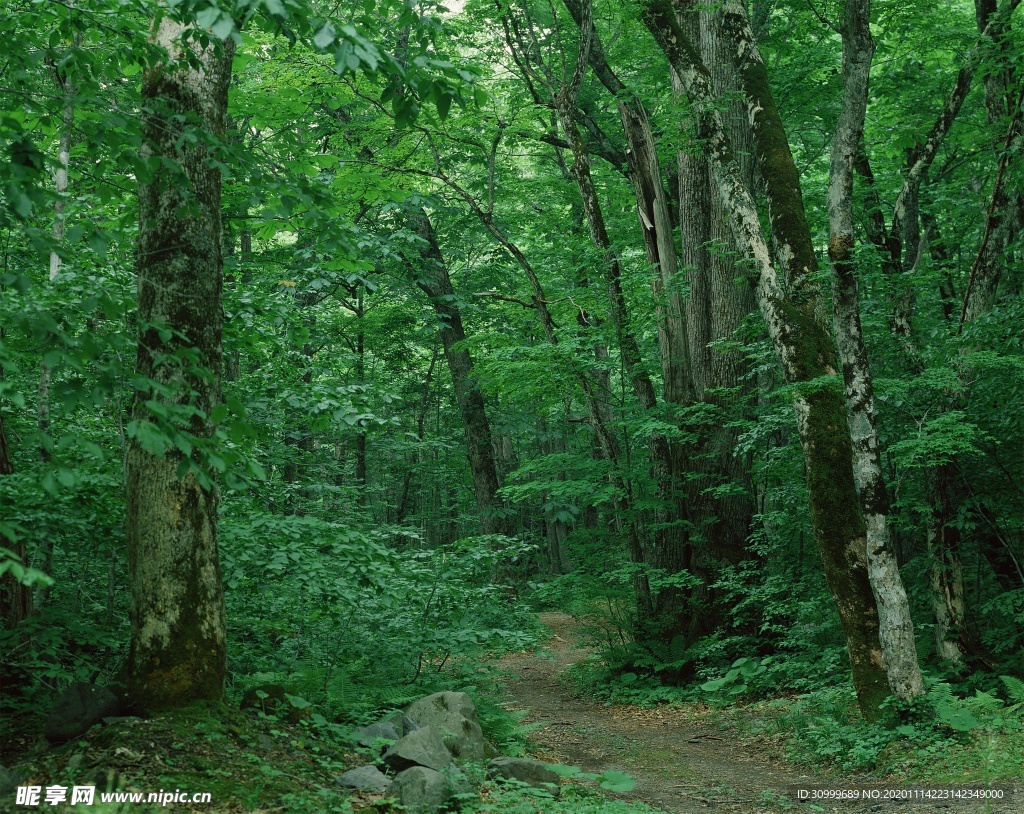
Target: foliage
(350, 527)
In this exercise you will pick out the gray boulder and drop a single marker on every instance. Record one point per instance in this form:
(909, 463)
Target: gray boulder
(376, 732)
(8, 782)
(527, 771)
(421, 790)
(424, 747)
(365, 778)
(408, 725)
(454, 714)
(77, 709)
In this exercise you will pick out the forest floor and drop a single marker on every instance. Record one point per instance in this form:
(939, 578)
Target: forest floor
(684, 759)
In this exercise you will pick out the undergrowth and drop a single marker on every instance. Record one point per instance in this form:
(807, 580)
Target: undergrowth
(253, 761)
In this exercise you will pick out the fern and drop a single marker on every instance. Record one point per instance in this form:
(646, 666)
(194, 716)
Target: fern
(1015, 689)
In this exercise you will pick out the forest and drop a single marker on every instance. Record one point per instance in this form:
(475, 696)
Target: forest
(601, 368)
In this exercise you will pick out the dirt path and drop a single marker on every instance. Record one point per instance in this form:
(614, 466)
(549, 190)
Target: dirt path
(682, 764)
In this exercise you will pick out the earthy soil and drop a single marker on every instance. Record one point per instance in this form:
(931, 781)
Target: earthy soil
(684, 760)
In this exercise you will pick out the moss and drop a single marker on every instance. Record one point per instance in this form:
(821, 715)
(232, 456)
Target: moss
(814, 353)
(245, 763)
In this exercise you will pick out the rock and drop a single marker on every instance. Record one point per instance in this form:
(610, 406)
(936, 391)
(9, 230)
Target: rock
(77, 708)
(490, 750)
(8, 782)
(454, 715)
(376, 732)
(424, 747)
(408, 725)
(365, 778)
(421, 790)
(527, 771)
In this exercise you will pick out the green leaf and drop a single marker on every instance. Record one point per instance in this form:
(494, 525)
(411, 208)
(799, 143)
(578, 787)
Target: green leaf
(617, 781)
(325, 36)
(224, 27)
(444, 104)
(205, 18)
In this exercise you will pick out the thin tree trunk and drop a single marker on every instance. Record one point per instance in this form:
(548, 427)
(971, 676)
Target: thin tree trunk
(896, 630)
(178, 641)
(1000, 227)
(949, 602)
(434, 281)
(67, 88)
(622, 502)
(402, 506)
(360, 311)
(795, 324)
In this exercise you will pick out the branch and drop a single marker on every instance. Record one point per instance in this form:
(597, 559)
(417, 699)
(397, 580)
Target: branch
(504, 298)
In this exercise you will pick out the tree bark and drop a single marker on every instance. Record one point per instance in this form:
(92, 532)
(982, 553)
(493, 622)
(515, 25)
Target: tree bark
(434, 281)
(1000, 227)
(896, 630)
(178, 640)
(719, 300)
(795, 325)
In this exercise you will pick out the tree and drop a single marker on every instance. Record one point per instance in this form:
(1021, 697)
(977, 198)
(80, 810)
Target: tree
(896, 629)
(795, 323)
(433, 279)
(178, 642)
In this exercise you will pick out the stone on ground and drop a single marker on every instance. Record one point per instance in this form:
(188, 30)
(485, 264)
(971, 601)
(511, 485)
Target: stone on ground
(365, 778)
(424, 747)
(376, 732)
(527, 771)
(454, 714)
(421, 790)
(77, 709)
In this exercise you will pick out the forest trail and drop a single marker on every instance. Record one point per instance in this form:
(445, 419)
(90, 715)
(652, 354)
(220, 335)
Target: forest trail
(681, 763)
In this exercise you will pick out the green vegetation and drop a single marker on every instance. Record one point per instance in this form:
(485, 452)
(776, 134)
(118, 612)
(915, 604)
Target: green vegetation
(319, 380)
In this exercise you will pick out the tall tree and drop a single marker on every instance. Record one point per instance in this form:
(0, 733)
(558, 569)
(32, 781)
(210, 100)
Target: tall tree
(433, 279)
(178, 641)
(896, 630)
(795, 322)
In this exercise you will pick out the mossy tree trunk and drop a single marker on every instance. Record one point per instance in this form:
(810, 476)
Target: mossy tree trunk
(896, 630)
(178, 643)
(795, 322)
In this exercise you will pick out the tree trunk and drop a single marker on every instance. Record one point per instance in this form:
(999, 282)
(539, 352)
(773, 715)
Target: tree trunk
(795, 323)
(670, 537)
(896, 630)
(949, 602)
(178, 642)
(1000, 226)
(716, 307)
(60, 185)
(360, 311)
(402, 505)
(433, 280)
